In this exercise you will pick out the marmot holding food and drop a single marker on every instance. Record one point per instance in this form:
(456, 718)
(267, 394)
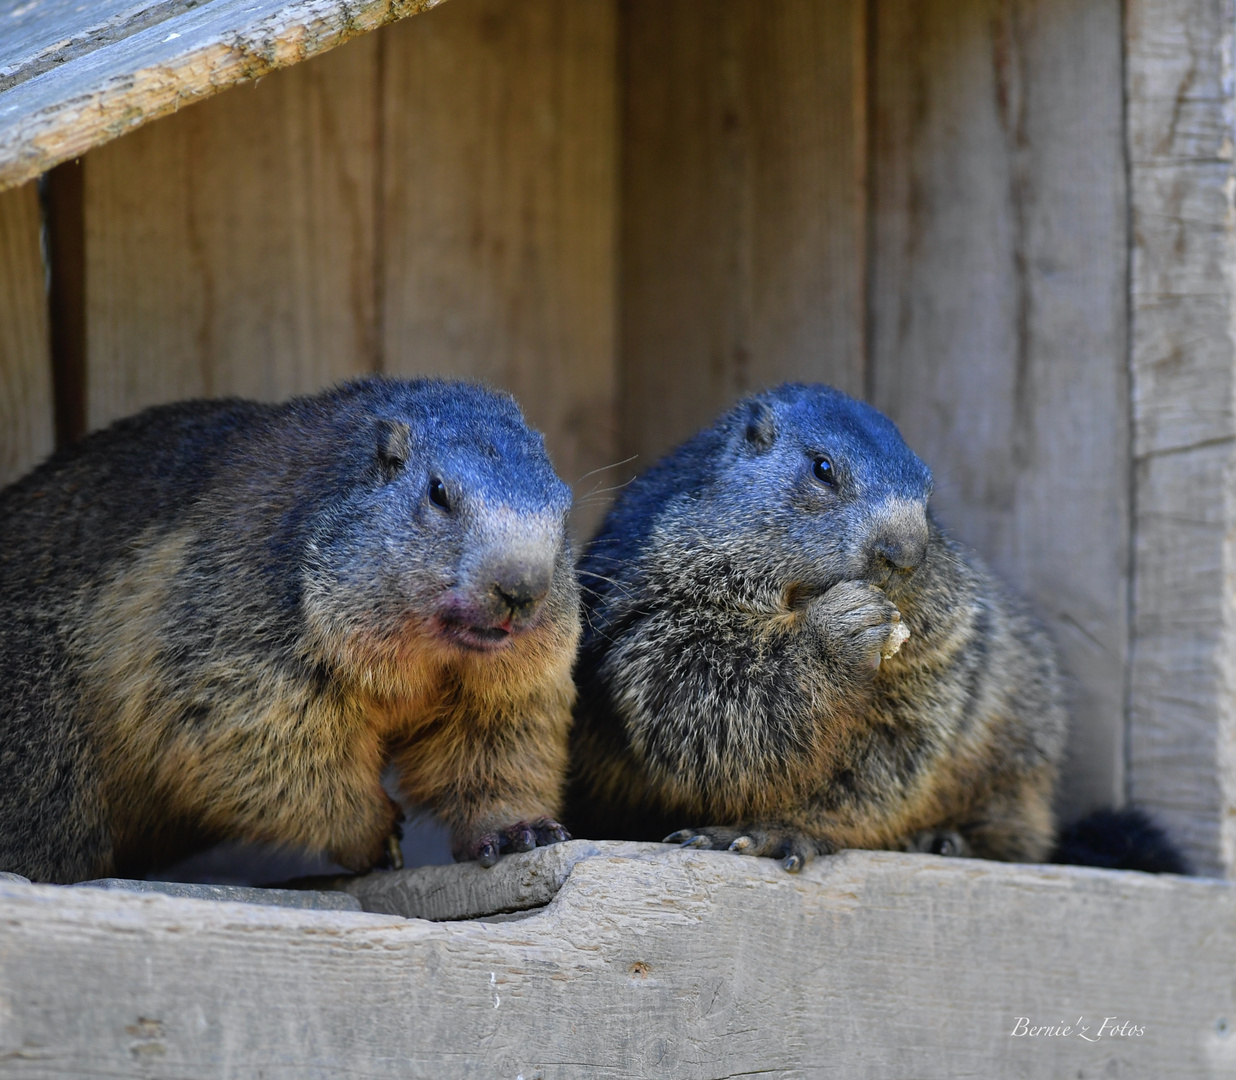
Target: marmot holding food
(784, 654)
(222, 619)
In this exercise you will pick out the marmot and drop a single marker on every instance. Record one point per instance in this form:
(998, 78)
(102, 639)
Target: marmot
(746, 670)
(222, 619)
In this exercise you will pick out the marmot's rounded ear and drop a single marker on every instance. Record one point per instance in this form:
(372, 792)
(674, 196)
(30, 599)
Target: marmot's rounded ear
(761, 429)
(393, 446)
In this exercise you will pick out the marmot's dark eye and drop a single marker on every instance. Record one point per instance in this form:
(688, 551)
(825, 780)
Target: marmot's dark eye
(824, 471)
(437, 494)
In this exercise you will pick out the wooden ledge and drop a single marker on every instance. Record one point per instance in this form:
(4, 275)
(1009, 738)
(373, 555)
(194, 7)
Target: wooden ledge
(646, 962)
(518, 883)
(76, 75)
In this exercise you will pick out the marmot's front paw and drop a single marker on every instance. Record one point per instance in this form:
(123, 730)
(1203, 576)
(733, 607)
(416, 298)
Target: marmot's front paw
(859, 624)
(795, 849)
(522, 836)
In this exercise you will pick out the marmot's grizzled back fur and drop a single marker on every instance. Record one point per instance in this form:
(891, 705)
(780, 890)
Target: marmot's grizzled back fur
(743, 673)
(223, 619)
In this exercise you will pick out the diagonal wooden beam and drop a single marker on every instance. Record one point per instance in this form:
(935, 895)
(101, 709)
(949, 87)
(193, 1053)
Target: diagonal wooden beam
(106, 82)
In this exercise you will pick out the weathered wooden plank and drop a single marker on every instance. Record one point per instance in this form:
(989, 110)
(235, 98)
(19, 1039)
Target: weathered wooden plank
(676, 964)
(26, 426)
(319, 899)
(128, 78)
(230, 249)
(1184, 696)
(468, 890)
(499, 211)
(999, 315)
(1180, 156)
(743, 224)
(37, 35)
(1182, 760)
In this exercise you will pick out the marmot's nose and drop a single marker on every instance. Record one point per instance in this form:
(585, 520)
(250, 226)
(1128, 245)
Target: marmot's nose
(902, 552)
(898, 540)
(520, 586)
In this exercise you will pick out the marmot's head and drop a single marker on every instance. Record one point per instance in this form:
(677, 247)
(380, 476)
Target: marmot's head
(451, 534)
(794, 489)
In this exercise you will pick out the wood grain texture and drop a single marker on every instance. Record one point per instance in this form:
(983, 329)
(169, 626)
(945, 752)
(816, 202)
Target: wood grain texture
(26, 423)
(468, 890)
(499, 212)
(130, 72)
(1181, 762)
(743, 227)
(320, 899)
(230, 249)
(688, 965)
(36, 35)
(1182, 752)
(999, 315)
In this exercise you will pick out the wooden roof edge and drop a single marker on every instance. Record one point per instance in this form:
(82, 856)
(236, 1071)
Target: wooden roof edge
(89, 100)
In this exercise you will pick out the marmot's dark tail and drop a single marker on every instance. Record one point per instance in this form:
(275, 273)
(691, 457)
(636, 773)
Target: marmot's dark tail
(1119, 840)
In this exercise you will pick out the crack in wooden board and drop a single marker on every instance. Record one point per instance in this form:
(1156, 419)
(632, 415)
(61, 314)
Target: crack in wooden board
(97, 96)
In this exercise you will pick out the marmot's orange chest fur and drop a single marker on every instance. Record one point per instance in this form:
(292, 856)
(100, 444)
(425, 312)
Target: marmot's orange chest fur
(224, 619)
(746, 671)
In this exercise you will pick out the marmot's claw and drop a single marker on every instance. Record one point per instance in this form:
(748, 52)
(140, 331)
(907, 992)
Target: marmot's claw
(549, 832)
(487, 853)
(793, 848)
(394, 853)
(526, 835)
(520, 838)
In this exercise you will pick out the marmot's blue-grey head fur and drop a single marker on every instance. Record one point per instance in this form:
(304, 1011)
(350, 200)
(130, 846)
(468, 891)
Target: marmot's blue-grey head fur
(453, 470)
(743, 670)
(224, 618)
(824, 484)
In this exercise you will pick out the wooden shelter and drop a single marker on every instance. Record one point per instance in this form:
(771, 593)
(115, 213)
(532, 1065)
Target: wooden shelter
(1010, 224)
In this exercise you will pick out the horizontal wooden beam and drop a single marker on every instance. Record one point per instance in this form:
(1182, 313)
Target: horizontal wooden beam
(647, 962)
(99, 76)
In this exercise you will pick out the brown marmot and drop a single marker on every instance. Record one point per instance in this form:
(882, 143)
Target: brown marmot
(746, 671)
(222, 619)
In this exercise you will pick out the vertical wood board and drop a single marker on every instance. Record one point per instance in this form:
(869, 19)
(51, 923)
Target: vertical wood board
(999, 315)
(1181, 104)
(26, 425)
(62, 192)
(230, 248)
(498, 220)
(1181, 760)
(743, 225)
